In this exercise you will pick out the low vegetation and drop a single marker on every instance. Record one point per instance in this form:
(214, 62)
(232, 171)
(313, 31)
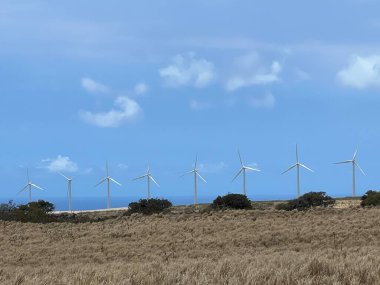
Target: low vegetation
(35, 212)
(322, 246)
(149, 206)
(307, 201)
(371, 198)
(231, 201)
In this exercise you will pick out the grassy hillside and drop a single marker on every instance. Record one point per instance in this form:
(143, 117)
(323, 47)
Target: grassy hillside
(323, 246)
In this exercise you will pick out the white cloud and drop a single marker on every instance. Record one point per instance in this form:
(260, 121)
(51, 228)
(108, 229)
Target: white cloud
(250, 71)
(127, 110)
(361, 72)
(188, 70)
(300, 74)
(60, 164)
(141, 88)
(122, 166)
(196, 105)
(92, 86)
(266, 100)
(212, 167)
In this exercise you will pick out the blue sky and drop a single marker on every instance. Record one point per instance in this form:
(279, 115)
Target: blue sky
(153, 82)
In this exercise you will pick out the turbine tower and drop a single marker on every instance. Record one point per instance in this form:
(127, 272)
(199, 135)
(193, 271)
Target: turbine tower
(195, 171)
(29, 186)
(108, 179)
(149, 177)
(243, 169)
(354, 165)
(297, 164)
(69, 181)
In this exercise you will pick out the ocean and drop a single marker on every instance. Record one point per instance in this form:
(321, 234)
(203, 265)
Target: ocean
(94, 203)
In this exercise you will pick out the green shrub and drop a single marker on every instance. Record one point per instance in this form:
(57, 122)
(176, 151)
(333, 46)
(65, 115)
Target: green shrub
(371, 198)
(307, 201)
(233, 201)
(36, 212)
(149, 206)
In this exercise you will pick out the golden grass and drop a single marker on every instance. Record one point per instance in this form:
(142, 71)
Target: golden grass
(325, 246)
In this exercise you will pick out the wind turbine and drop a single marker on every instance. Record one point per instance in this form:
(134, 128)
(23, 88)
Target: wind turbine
(108, 179)
(195, 171)
(69, 180)
(354, 164)
(29, 186)
(297, 164)
(243, 169)
(149, 177)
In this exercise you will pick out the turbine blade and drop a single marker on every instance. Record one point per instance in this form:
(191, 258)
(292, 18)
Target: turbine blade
(360, 168)
(107, 167)
(114, 181)
(250, 168)
(297, 153)
(241, 169)
(290, 168)
(27, 174)
(241, 161)
(23, 189)
(155, 182)
(100, 182)
(200, 176)
(355, 153)
(346, 161)
(140, 177)
(196, 161)
(63, 175)
(191, 171)
(38, 187)
(304, 166)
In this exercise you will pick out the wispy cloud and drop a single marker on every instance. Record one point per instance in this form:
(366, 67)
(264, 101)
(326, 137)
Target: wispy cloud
(361, 72)
(212, 167)
(197, 105)
(250, 71)
(92, 86)
(266, 100)
(141, 88)
(122, 166)
(127, 111)
(60, 164)
(186, 69)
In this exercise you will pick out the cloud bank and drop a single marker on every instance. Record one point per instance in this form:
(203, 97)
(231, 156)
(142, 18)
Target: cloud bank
(361, 72)
(250, 71)
(60, 164)
(126, 111)
(188, 70)
(92, 86)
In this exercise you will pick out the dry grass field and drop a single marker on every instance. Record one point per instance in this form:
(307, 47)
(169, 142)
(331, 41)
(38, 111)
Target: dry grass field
(323, 246)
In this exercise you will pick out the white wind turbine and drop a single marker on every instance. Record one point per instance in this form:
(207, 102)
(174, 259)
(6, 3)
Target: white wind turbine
(29, 186)
(108, 179)
(354, 164)
(69, 182)
(149, 177)
(243, 169)
(298, 164)
(195, 171)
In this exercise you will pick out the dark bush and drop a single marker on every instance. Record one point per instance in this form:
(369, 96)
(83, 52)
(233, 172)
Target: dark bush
(36, 212)
(149, 206)
(7, 210)
(371, 198)
(233, 201)
(307, 201)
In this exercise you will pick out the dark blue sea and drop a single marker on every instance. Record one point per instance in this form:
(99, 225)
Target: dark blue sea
(93, 203)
